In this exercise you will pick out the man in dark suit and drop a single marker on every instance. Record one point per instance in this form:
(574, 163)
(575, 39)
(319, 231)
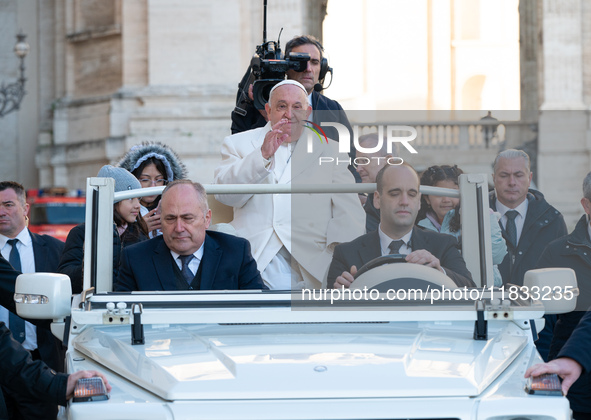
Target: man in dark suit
(20, 372)
(398, 199)
(528, 223)
(28, 253)
(573, 360)
(573, 251)
(186, 256)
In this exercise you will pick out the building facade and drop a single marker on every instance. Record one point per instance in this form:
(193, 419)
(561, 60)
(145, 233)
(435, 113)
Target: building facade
(104, 75)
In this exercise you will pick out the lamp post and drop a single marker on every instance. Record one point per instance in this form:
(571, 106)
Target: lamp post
(12, 94)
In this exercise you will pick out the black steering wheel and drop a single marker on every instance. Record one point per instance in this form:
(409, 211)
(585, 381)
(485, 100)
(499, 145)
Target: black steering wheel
(384, 259)
(385, 273)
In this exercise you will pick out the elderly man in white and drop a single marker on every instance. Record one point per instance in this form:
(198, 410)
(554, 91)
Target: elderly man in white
(292, 236)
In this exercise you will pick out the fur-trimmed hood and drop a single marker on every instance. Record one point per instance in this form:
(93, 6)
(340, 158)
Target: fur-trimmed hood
(175, 169)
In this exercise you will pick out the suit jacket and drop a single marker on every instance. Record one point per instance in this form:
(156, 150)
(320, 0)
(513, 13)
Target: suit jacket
(47, 252)
(319, 221)
(543, 224)
(367, 247)
(227, 264)
(571, 251)
(19, 371)
(577, 348)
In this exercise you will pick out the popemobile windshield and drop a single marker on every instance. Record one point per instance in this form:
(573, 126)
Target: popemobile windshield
(384, 352)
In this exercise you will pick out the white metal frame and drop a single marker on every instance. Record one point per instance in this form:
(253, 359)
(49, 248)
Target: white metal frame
(469, 184)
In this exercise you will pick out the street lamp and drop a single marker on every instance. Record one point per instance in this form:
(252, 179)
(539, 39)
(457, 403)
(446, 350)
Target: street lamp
(12, 94)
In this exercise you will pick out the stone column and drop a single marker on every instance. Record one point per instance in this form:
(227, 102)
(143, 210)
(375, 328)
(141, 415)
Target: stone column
(564, 149)
(530, 32)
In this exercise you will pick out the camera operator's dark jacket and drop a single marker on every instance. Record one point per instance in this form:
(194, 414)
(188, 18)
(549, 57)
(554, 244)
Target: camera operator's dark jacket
(543, 224)
(572, 251)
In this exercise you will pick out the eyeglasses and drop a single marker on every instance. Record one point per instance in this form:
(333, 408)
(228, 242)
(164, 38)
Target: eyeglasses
(147, 182)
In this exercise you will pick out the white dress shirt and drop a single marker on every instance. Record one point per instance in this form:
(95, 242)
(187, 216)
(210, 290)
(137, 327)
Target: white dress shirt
(278, 274)
(194, 263)
(385, 242)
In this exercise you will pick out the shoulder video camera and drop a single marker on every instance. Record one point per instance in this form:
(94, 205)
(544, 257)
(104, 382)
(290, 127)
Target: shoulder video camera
(268, 69)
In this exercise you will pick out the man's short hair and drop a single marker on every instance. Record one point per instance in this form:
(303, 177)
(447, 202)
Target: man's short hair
(587, 187)
(18, 189)
(380, 175)
(201, 194)
(303, 40)
(512, 154)
(373, 138)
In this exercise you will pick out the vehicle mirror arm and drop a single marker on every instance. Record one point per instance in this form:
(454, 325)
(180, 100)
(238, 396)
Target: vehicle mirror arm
(480, 325)
(85, 300)
(137, 328)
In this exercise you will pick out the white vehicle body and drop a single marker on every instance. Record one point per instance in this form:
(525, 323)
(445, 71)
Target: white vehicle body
(270, 355)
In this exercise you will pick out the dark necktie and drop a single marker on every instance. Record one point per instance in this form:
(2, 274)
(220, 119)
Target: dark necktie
(510, 228)
(187, 274)
(394, 246)
(16, 324)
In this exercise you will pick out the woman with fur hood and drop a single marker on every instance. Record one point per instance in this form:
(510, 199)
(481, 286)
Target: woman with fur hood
(154, 164)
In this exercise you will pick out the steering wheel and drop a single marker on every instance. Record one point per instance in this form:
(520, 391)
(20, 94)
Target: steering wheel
(376, 262)
(384, 273)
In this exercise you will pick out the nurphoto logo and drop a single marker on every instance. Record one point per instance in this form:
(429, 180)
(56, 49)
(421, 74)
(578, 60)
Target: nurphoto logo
(391, 134)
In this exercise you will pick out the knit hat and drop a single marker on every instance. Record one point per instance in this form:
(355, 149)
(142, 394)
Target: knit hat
(124, 180)
(139, 153)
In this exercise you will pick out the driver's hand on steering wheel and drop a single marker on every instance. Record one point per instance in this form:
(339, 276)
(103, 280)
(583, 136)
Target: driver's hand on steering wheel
(345, 279)
(423, 257)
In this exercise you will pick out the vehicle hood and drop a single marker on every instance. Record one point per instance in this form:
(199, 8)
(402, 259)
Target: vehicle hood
(348, 360)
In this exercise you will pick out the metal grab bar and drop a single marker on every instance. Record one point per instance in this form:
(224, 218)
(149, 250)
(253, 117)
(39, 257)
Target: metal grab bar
(285, 189)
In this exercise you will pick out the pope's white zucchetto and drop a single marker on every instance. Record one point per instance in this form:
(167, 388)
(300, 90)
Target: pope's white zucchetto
(288, 82)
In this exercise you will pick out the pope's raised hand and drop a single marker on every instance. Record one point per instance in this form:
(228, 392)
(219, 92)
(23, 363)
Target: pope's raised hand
(275, 138)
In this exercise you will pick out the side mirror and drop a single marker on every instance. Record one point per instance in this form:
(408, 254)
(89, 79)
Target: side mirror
(43, 296)
(556, 287)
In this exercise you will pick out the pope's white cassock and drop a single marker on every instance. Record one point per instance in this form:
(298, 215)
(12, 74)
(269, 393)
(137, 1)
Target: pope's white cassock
(305, 227)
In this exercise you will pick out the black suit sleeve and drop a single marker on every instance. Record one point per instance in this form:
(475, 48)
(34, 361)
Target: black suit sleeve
(249, 276)
(337, 266)
(455, 266)
(8, 277)
(577, 346)
(125, 282)
(19, 372)
(72, 258)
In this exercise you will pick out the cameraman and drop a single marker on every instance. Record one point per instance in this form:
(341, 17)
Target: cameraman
(310, 80)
